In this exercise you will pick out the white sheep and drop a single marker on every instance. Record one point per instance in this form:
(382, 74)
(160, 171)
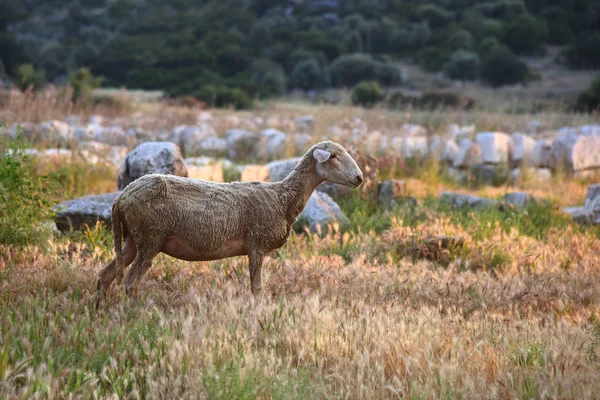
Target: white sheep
(196, 220)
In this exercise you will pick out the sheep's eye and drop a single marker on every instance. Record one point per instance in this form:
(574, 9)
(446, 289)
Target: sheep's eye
(333, 156)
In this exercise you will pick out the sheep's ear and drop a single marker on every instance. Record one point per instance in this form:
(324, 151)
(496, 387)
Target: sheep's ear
(321, 155)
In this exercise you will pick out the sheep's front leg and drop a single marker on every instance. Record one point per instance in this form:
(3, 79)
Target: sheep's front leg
(255, 262)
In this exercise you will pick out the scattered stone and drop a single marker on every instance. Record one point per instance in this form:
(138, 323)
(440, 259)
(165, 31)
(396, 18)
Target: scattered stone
(280, 169)
(151, 158)
(592, 203)
(524, 147)
(212, 146)
(114, 135)
(496, 147)
(413, 130)
(190, 137)
(55, 132)
(590, 130)
(578, 213)
(271, 144)
(84, 211)
(101, 153)
(458, 199)
(541, 153)
(461, 132)
(320, 211)
(240, 144)
(520, 199)
(469, 154)
(410, 146)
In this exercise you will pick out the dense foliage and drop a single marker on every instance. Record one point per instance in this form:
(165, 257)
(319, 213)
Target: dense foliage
(589, 99)
(265, 47)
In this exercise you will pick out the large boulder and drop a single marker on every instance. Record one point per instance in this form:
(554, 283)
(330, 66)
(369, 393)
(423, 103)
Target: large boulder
(574, 153)
(524, 147)
(410, 146)
(496, 147)
(271, 172)
(320, 211)
(212, 146)
(151, 158)
(113, 135)
(520, 199)
(84, 211)
(240, 144)
(190, 137)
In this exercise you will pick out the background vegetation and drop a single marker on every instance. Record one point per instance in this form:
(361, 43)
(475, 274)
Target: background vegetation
(226, 52)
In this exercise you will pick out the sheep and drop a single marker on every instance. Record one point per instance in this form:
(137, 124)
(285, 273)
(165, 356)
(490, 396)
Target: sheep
(196, 220)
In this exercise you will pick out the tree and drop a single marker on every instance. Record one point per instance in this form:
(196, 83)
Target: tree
(268, 77)
(526, 34)
(463, 65)
(589, 99)
(308, 74)
(501, 67)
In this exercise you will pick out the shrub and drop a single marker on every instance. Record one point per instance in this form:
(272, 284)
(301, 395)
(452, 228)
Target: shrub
(222, 96)
(434, 15)
(83, 82)
(388, 74)
(463, 65)
(501, 67)
(585, 52)
(26, 75)
(308, 74)
(432, 58)
(559, 29)
(24, 200)
(268, 77)
(351, 69)
(461, 40)
(589, 99)
(526, 34)
(367, 93)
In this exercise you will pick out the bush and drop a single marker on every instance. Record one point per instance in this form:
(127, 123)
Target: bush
(26, 75)
(463, 65)
(83, 82)
(433, 58)
(222, 96)
(308, 74)
(350, 69)
(434, 15)
(501, 67)
(367, 93)
(268, 77)
(559, 29)
(585, 52)
(526, 34)
(589, 99)
(24, 200)
(461, 40)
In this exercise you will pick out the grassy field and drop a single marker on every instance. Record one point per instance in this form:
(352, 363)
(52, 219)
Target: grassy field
(382, 308)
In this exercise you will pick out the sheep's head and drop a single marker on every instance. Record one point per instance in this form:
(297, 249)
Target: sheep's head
(334, 164)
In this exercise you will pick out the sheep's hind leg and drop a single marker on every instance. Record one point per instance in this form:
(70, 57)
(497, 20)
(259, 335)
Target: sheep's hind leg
(255, 264)
(108, 274)
(142, 263)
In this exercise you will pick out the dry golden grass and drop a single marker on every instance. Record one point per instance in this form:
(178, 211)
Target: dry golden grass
(342, 315)
(379, 310)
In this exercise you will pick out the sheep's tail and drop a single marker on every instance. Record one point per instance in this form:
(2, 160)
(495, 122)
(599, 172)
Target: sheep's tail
(118, 233)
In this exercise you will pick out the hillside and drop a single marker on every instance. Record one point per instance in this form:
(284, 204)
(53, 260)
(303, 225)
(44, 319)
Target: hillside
(208, 49)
